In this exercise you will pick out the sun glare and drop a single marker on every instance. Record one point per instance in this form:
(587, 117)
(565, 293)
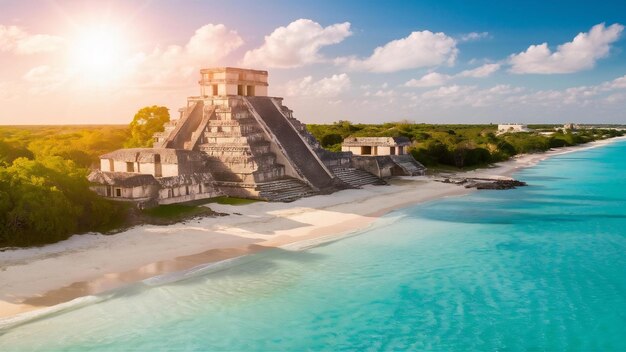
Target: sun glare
(98, 53)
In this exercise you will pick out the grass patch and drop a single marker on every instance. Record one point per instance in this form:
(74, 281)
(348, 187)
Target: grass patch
(175, 212)
(233, 200)
(433, 170)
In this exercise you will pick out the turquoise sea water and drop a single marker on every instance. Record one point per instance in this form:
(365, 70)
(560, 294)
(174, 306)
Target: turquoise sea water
(536, 268)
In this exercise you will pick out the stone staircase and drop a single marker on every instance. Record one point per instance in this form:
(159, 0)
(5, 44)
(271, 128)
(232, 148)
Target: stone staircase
(238, 147)
(180, 132)
(284, 190)
(196, 136)
(357, 178)
(298, 152)
(411, 166)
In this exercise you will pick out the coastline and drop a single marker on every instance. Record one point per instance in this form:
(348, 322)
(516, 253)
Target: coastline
(86, 265)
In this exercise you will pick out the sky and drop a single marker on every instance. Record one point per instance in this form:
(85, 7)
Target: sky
(98, 62)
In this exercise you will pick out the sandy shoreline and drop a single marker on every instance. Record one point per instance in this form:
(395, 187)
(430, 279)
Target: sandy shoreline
(84, 265)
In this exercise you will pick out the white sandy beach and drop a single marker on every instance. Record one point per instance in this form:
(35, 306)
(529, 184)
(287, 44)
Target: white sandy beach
(89, 264)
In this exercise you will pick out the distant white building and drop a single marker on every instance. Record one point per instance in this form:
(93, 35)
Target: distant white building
(513, 128)
(571, 126)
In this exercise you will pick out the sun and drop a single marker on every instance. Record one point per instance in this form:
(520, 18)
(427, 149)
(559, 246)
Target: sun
(98, 53)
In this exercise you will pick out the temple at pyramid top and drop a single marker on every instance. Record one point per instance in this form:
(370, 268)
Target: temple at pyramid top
(223, 81)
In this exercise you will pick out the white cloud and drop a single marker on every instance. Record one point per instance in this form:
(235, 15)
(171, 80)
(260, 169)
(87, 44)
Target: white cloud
(384, 93)
(578, 96)
(174, 65)
(38, 74)
(480, 72)
(447, 91)
(619, 82)
(468, 96)
(15, 39)
(473, 36)
(326, 87)
(9, 37)
(213, 40)
(615, 98)
(296, 45)
(46, 79)
(579, 54)
(581, 95)
(419, 49)
(428, 80)
(434, 79)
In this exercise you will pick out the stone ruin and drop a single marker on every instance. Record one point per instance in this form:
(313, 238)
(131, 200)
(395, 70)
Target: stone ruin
(250, 145)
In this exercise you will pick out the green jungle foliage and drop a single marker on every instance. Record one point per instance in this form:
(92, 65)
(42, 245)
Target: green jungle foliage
(459, 146)
(145, 124)
(44, 193)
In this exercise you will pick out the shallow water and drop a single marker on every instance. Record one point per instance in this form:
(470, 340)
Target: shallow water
(536, 268)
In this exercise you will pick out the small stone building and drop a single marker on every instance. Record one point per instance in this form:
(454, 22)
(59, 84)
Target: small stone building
(382, 156)
(153, 175)
(158, 162)
(376, 145)
(124, 185)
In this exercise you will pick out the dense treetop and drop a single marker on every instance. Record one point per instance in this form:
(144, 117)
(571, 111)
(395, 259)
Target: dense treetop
(44, 193)
(145, 124)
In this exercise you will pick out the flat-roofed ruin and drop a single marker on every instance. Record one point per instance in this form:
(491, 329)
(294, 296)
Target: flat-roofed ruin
(376, 145)
(234, 140)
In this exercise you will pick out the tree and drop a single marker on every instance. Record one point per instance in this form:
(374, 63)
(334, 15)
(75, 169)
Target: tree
(331, 139)
(9, 152)
(47, 200)
(145, 124)
(506, 148)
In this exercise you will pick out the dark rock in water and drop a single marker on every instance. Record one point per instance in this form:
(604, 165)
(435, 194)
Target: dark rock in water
(500, 184)
(485, 183)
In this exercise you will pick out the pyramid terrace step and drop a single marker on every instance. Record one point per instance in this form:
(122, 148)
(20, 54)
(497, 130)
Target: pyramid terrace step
(261, 159)
(356, 178)
(236, 133)
(254, 144)
(284, 190)
(241, 140)
(239, 122)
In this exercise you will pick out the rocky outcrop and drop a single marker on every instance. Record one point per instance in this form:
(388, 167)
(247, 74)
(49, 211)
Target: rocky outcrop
(484, 183)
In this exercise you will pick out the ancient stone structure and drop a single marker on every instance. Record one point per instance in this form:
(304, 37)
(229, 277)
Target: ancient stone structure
(153, 175)
(382, 156)
(249, 144)
(571, 126)
(376, 145)
(513, 128)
